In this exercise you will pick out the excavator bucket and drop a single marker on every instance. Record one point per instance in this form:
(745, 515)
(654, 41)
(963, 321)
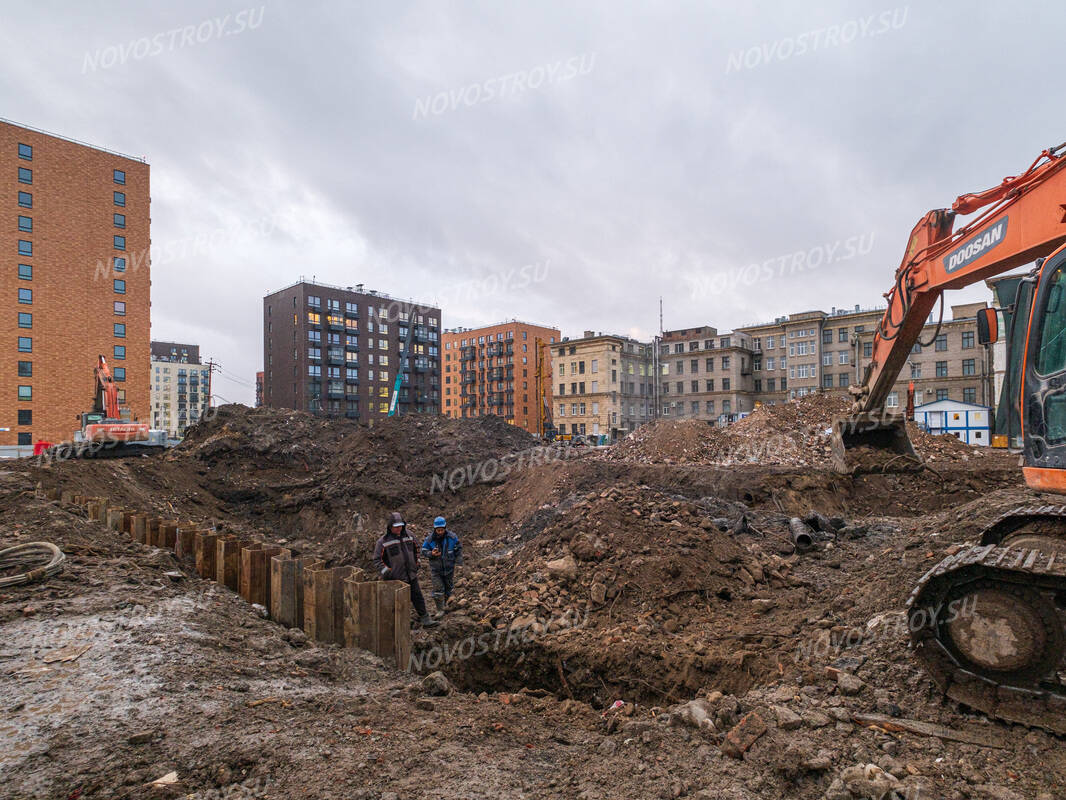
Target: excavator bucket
(872, 443)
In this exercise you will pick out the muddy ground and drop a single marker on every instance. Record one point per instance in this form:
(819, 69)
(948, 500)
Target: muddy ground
(589, 580)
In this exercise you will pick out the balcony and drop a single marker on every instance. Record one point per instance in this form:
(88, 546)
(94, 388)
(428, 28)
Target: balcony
(350, 380)
(421, 334)
(351, 414)
(352, 313)
(421, 365)
(334, 393)
(469, 379)
(352, 348)
(468, 354)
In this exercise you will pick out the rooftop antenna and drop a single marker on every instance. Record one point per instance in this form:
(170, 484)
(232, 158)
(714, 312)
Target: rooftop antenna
(661, 329)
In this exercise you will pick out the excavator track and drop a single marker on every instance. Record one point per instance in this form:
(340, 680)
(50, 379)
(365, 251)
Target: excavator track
(989, 622)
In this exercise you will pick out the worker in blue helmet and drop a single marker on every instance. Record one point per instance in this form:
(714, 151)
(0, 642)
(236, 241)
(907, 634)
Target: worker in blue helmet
(445, 553)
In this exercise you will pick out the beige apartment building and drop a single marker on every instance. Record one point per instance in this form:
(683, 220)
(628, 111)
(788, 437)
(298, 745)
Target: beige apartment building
(818, 351)
(604, 385)
(705, 375)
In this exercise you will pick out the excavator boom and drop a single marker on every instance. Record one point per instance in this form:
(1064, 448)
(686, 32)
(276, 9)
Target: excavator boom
(1022, 219)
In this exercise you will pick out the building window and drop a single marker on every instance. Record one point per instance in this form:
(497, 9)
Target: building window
(25, 344)
(892, 401)
(25, 152)
(842, 380)
(120, 330)
(120, 220)
(941, 394)
(25, 392)
(25, 224)
(967, 340)
(25, 248)
(25, 200)
(969, 395)
(119, 373)
(940, 345)
(120, 199)
(120, 242)
(119, 177)
(26, 296)
(25, 369)
(120, 286)
(842, 335)
(120, 308)
(120, 352)
(25, 320)
(969, 366)
(25, 175)
(916, 370)
(941, 369)
(119, 264)
(25, 438)
(25, 416)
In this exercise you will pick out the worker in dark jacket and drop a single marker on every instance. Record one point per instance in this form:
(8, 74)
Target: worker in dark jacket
(396, 559)
(445, 553)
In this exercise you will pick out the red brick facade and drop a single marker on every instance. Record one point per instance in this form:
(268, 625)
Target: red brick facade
(492, 370)
(71, 188)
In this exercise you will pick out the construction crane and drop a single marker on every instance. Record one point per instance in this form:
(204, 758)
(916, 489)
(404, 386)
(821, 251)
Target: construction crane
(394, 402)
(108, 430)
(545, 426)
(1007, 655)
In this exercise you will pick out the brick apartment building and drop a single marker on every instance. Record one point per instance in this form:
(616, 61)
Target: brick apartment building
(259, 389)
(74, 281)
(604, 385)
(336, 352)
(181, 387)
(493, 370)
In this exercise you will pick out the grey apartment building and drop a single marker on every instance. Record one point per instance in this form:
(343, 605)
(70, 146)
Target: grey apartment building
(706, 375)
(336, 351)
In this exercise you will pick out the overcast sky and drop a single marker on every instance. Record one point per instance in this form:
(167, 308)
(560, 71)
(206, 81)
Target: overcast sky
(618, 152)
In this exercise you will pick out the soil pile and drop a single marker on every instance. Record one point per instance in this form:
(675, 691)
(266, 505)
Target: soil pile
(793, 434)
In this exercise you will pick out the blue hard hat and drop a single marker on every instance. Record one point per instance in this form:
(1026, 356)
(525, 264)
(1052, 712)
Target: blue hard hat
(438, 522)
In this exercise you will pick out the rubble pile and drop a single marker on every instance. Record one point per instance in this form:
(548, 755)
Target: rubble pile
(792, 434)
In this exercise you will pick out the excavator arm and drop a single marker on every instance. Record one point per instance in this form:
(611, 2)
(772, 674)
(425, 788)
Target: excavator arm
(106, 392)
(1022, 219)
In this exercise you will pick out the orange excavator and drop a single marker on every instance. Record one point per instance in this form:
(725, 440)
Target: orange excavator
(1006, 656)
(108, 431)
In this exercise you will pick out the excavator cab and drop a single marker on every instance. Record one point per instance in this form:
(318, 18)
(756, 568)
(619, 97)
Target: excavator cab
(1043, 380)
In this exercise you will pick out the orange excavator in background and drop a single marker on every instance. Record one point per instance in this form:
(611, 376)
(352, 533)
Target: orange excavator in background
(108, 431)
(1006, 655)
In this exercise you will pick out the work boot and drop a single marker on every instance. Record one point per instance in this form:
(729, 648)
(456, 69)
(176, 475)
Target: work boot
(428, 621)
(444, 606)
(439, 603)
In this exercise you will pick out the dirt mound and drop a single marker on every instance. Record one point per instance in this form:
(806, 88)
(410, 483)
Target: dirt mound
(617, 596)
(794, 434)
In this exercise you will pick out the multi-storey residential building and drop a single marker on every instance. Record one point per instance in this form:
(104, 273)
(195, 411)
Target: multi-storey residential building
(604, 385)
(74, 281)
(705, 375)
(181, 387)
(258, 389)
(815, 351)
(337, 351)
(946, 364)
(493, 370)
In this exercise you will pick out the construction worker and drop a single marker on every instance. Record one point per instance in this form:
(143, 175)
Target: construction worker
(396, 559)
(445, 553)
